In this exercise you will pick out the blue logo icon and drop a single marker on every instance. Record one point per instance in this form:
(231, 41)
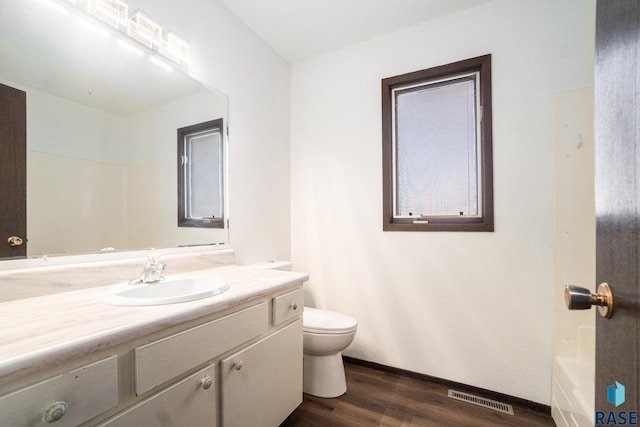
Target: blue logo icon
(615, 394)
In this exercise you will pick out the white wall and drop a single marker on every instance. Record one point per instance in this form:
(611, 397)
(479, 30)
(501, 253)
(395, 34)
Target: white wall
(228, 56)
(469, 307)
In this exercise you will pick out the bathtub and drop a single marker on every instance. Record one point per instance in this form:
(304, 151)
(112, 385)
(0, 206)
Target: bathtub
(573, 388)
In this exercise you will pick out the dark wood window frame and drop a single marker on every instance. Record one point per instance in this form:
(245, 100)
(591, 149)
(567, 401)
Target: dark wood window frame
(183, 219)
(484, 222)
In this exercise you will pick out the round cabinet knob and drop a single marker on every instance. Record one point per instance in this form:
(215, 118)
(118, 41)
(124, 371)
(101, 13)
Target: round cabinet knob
(206, 382)
(238, 365)
(578, 298)
(294, 306)
(55, 412)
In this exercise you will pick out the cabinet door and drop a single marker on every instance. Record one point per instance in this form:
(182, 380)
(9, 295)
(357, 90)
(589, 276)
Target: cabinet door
(262, 384)
(191, 402)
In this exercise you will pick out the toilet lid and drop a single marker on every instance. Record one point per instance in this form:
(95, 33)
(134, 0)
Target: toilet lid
(326, 322)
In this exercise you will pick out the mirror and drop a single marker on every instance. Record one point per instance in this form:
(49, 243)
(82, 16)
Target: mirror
(102, 120)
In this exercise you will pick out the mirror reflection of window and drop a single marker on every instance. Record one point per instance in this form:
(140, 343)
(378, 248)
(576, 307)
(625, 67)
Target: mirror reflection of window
(200, 183)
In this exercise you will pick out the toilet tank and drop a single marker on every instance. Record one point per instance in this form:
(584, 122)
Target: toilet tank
(273, 265)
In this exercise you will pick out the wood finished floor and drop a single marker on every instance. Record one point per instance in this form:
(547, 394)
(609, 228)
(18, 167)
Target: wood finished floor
(379, 398)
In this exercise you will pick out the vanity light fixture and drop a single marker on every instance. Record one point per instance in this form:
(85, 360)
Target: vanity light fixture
(137, 26)
(113, 12)
(144, 30)
(175, 48)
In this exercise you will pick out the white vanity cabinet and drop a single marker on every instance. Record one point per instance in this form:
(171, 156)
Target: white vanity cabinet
(238, 364)
(260, 382)
(258, 353)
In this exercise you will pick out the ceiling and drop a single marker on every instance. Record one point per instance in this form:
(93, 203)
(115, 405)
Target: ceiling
(301, 29)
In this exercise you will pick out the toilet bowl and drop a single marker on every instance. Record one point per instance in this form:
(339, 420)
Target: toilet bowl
(325, 335)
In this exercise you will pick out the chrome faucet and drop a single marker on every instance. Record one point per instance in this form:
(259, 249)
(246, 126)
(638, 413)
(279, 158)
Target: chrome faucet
(151, 272)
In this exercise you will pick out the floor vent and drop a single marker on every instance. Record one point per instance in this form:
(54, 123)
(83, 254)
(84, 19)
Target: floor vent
(481, 401)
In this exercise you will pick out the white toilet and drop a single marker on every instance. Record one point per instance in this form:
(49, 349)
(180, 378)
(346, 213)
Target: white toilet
(325, 335)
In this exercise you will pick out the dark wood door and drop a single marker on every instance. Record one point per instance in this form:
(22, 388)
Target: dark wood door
(13, 171)
(617, 132)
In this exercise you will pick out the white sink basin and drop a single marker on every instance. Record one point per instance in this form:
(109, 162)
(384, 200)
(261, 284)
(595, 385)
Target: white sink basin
(169, 291)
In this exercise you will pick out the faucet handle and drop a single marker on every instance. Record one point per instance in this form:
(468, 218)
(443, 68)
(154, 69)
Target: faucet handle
(152, 257)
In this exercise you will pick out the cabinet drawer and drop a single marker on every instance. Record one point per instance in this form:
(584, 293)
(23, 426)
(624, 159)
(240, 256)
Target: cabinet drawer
(78, 396)
(191, 402)
(287, 306)
(169, 357)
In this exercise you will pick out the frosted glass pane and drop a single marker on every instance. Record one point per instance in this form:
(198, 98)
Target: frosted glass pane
(204, 182)
(436, 149)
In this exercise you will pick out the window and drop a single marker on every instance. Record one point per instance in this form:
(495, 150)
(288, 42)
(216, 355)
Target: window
(200, 175)
(437, 154)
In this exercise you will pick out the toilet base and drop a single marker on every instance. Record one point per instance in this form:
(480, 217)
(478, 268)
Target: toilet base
(324, 375)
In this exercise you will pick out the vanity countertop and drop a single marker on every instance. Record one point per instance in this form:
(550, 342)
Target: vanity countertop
(42, 331)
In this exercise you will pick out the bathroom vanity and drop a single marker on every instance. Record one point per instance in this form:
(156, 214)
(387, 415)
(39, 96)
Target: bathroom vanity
(234, 359)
